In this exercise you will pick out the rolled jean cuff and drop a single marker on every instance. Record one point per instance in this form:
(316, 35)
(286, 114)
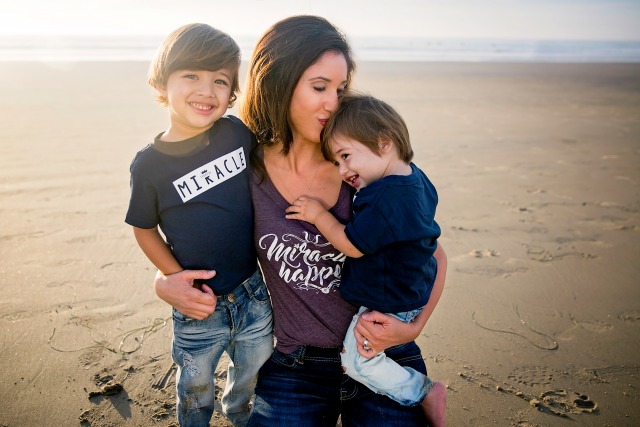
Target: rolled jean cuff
(426, 388)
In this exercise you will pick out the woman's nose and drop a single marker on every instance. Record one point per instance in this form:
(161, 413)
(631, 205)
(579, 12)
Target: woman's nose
(332, 103)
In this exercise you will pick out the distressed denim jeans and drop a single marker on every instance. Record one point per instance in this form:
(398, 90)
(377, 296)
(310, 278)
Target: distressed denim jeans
(381, 374)
(242, 326)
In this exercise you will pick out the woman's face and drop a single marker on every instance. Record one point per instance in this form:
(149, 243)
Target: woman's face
(315, 96)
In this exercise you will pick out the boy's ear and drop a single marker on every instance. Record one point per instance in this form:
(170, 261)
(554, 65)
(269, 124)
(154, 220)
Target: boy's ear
(161, 89)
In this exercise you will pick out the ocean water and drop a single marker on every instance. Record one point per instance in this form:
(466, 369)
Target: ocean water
(142, 48)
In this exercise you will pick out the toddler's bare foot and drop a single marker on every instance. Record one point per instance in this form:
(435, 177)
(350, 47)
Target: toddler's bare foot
(434, 404)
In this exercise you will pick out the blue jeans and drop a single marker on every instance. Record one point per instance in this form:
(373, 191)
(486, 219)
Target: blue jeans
(242, 326)
(308, 388)
(381, 374)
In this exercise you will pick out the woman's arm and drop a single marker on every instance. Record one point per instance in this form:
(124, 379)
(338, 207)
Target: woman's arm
(438, 285)
(178, 291)
(383, 331)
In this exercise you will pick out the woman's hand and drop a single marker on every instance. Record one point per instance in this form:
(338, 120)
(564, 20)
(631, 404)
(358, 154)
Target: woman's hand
(383, 331)
(178, 291)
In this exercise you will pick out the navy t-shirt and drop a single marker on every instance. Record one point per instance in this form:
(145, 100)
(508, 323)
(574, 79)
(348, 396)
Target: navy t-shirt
(197, 191)
(393, 225)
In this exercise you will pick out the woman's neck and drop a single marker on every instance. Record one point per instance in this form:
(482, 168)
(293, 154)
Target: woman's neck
(300, 159)
(302, 171)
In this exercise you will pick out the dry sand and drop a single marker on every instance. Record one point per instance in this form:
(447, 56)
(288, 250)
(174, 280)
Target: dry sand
(538, 171)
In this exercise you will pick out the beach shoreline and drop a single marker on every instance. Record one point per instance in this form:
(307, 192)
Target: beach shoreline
(536, 166)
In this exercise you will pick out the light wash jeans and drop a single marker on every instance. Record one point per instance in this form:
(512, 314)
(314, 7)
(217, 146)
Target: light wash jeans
(382, 375)
(242, 326)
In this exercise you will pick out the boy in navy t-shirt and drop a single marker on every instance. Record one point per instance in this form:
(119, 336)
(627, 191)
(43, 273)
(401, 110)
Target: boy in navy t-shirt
(390, 240)
(192, 183)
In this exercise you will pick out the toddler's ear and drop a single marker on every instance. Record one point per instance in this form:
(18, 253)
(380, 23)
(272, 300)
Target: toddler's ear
(384, 144)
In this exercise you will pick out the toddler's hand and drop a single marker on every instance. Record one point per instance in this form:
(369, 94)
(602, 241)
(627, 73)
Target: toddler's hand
(305, 208)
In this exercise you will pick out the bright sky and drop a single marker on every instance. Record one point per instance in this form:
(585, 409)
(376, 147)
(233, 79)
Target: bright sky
(510, 19)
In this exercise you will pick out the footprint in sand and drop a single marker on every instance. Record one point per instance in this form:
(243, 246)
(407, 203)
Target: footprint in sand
(597, 326)
(534, 376)
(609, 374)
(482, 253)
(472, 230)
(488, 270)
(491, 271)
(17, 315)
(557, 401)
(631, 316)
(592, 325)
(82, 239)
(561, 402)
(543, 255)
(70, 283)
(539, 254)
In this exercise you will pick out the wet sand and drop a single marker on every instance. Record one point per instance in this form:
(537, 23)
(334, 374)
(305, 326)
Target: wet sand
(537, 171)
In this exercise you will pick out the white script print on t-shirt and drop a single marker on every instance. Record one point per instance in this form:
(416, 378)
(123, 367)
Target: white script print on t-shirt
(302, 261)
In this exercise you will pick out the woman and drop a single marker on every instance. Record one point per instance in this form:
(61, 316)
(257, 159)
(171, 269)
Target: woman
(298, 71)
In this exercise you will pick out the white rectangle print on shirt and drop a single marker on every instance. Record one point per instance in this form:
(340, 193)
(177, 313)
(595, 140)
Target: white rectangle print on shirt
(210, 174)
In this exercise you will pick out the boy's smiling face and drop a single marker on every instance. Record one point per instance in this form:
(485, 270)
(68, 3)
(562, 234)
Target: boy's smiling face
(196, 99)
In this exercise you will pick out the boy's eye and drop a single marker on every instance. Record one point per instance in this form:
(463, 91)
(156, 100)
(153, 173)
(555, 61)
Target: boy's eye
(344, 156)
(191, 76)
(222, 82)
